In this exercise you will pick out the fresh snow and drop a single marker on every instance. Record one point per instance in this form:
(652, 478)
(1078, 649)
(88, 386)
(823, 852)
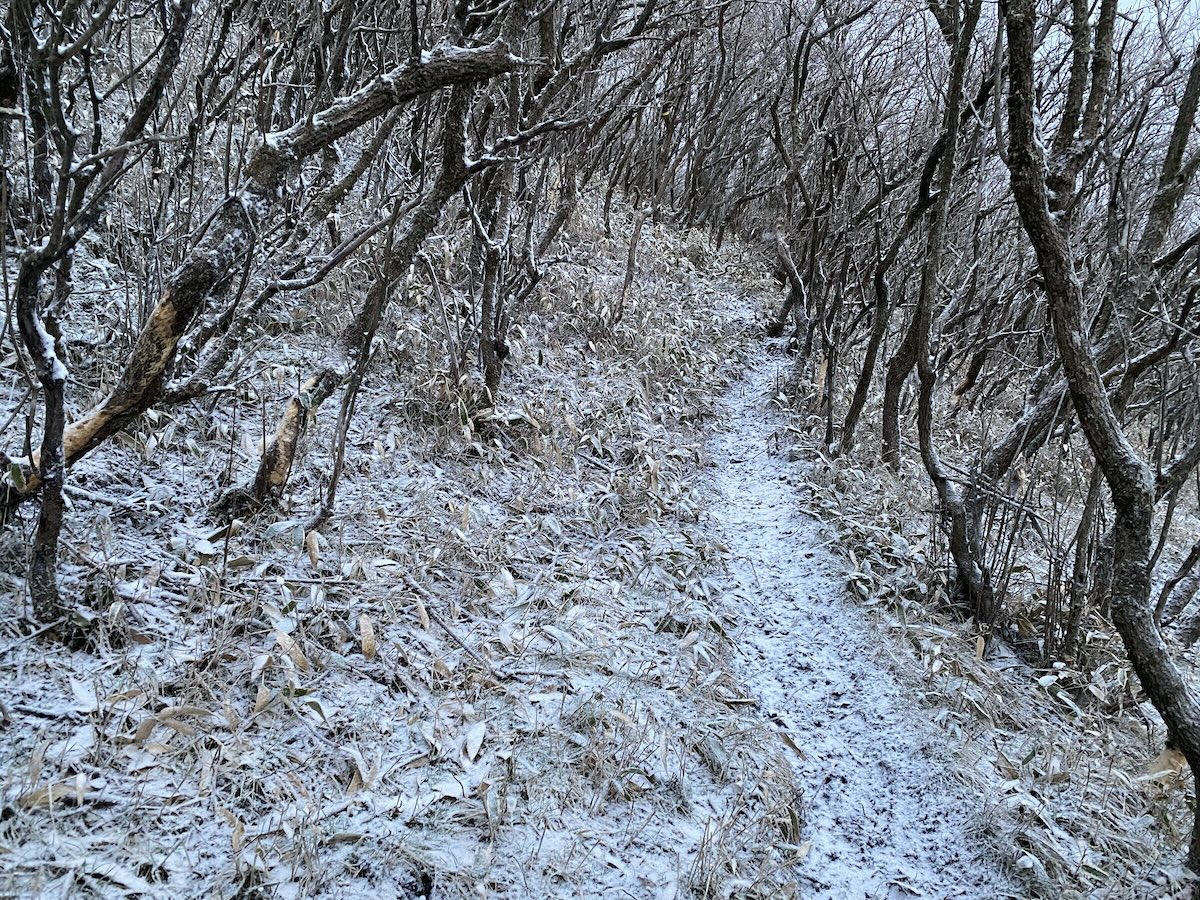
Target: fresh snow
(884, 818)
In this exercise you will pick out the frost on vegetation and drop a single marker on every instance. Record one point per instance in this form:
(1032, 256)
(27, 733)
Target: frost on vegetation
(500, 669)
(58, 371)
(1063, 754)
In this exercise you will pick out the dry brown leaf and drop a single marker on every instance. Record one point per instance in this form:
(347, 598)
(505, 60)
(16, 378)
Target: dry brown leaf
(175, 712)
(145, 729)
(312, 545)
(169, 716)
(261, 699)
(122, 696)
(239, 830)
(367, 634)
(47, 795)
(182, 727)
(1167, 765)
(791, 742)
(288, 644)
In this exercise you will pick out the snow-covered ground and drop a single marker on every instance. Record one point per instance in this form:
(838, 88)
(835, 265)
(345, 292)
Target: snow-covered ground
(884, 817)
(558, 712)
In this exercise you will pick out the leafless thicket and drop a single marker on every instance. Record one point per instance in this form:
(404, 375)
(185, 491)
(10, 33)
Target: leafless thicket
(1001, 202)
(983, 220)
(213, 150)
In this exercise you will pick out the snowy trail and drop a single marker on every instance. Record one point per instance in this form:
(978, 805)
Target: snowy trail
(884, 819)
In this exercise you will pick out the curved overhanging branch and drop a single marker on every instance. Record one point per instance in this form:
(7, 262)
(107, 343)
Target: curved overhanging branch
(238, 218)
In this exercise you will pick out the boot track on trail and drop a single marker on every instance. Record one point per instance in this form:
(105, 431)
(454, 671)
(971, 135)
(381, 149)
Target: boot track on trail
(885, 820)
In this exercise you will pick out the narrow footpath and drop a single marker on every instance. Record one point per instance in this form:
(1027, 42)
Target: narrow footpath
(884, 818)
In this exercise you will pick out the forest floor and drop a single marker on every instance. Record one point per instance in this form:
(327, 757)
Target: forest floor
(608, 652)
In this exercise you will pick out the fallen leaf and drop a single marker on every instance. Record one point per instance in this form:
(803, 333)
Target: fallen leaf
(288, 644)
(367, 634)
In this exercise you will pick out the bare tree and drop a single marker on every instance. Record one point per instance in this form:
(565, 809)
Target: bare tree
(1040, 186)
(63, 209)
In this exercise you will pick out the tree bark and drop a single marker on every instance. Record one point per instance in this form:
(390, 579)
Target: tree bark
(1129, 478)
(973, 580)
(52, 375)
(796, 298)
(354, 344)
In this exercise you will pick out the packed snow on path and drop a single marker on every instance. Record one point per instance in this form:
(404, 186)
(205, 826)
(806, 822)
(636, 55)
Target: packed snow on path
(884, 818)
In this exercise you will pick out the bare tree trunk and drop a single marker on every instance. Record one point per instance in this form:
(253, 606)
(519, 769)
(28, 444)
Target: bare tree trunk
(630, 265)
(354, 344)
(493, 330)
(1169, 607)
(568, 199)
(973, 579)
(275, 465)
(898, 369)
(796, 298)
(1084, 542)
(52, 375)
(492, 348)
(879, 327)
(1129, 477)
(79, 194)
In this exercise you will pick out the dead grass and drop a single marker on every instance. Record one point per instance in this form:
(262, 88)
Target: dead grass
(500, 671)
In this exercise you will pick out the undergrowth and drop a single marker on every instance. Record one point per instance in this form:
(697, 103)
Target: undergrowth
(499, 671)
(1087, 797)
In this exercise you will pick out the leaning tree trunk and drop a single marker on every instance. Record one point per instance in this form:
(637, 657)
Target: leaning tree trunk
(568, 199)
(354, 344)
(277, 459)
(1130, 479)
